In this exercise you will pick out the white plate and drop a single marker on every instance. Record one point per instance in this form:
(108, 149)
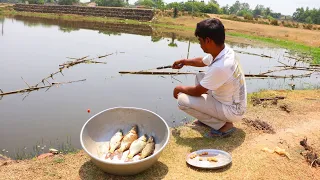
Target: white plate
(223, 158)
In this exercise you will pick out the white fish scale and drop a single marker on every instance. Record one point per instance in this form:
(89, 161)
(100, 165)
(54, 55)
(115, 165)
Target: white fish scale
(137, 147)
(115, 142)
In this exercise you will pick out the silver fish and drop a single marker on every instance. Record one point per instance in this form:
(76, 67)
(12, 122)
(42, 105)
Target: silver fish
(149, 149)
(127, 140)
(114, 143)
(137, 146)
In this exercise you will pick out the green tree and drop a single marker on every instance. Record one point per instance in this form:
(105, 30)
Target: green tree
(36, 1)
(258, 11)
(235, 8)
(67, 2)
(110, 3)
(309, 20)
(225, 9)
(212, 8)
(307, 15)
(146, 3)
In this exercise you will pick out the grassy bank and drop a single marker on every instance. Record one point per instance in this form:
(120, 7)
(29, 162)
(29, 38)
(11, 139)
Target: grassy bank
(313, 51)
(162, 24)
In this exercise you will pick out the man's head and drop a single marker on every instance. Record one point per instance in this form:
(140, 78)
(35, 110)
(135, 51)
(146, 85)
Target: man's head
(211, 34)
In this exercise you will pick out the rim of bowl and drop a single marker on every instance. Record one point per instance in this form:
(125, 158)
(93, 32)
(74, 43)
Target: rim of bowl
(125, 163)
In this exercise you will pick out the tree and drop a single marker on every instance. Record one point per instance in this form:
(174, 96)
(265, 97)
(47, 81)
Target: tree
(258, 11)
(307, 15)
(225, 9)
(245, 6)
(214, 2)
(235, 8)
(212, 8)
(36, 1)
(146, 3)
(111, 3)
(67, 2)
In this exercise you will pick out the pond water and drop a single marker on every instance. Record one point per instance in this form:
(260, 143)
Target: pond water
(33, 48)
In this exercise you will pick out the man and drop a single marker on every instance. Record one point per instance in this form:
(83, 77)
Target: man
(219, 97)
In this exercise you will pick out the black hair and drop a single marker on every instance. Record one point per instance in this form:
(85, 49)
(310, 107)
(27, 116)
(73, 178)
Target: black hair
(211, 28)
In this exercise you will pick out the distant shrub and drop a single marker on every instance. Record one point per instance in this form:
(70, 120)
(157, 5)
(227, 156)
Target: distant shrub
(274, 22)
(288, 25)
(248, 17)
(307, 26)
(257, 19)
(263, 22)
(295, 25)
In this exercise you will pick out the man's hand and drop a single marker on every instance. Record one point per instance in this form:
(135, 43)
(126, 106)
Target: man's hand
(178, 64)
(196, 62)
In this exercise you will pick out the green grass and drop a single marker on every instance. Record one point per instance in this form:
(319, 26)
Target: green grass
(314, 51)
(59, 160)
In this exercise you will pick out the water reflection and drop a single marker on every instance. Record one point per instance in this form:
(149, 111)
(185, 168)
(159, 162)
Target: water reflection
(172, 43)
(105, 28)
(2, 25)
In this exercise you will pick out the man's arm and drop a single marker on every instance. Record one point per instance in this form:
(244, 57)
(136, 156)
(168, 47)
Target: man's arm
(190, 90)
(196, 62)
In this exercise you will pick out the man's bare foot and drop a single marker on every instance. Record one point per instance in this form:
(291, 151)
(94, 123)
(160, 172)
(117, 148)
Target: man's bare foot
(226, 127)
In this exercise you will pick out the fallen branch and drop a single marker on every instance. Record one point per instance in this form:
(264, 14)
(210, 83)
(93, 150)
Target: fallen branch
(69, 64)
(270, 99)
(261, 55)
(316, 65)
(193, 73)
(155, 73)
(33, 88)
(164, 67)
(277, 70)
(25, 82)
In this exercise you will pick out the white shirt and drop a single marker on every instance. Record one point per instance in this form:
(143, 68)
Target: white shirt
(226, 81)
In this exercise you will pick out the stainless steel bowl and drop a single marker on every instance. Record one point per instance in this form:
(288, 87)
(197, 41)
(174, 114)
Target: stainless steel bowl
(102, 126)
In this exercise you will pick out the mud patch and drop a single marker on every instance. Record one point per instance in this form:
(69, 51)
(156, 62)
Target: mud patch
(311, 157)
(266, 101)
(259, 125)
(285, 108)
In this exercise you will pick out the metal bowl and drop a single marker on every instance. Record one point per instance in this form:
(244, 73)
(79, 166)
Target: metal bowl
(102, 126)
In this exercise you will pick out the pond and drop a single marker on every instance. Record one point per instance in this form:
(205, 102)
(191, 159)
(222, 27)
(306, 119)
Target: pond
(31, 49)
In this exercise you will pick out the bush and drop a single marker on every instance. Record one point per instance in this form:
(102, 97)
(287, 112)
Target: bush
(248, 17)
(274, 22)
(307, 26)
(288, 25)
(257, 19)
(295, 25)
(318, 28)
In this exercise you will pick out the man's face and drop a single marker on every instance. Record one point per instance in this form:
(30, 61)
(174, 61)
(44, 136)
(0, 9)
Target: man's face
(205, 44)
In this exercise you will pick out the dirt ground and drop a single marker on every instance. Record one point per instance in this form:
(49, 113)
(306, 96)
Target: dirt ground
(307, 37)
(245, 146)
